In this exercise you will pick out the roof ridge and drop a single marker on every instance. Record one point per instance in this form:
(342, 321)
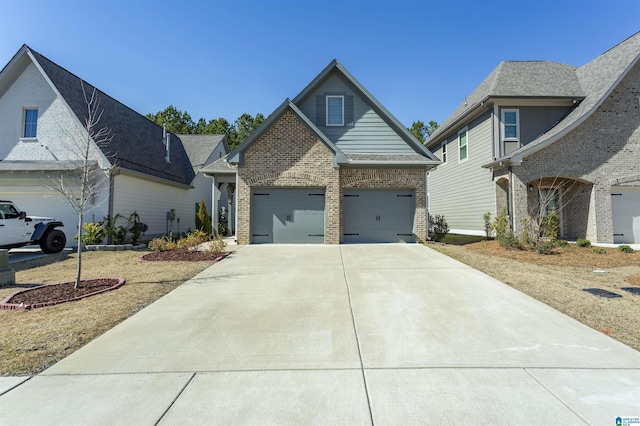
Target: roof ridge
(613, 47)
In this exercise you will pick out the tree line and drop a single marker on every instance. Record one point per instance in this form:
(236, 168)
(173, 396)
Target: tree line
(180, 122)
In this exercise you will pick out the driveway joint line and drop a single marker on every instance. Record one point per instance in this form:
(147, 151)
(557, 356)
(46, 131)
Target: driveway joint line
(15, 386)
(175, 399)
(545, 387)
(355, 330)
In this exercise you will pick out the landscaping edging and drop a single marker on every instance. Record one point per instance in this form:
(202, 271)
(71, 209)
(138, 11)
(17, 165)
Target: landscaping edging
(21, 306)
(114, 247)
(216, 259)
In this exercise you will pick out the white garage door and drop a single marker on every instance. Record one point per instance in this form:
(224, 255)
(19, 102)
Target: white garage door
(625, 205)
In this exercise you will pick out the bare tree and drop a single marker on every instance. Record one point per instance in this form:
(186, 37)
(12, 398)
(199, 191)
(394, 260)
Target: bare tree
(552, 195)
(82, 176)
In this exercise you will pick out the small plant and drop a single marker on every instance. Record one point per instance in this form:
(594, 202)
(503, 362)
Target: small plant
(216, 246)
(203, 220)
(545, 247)
(488, 226)
(222, 221)
(438, 227)
(136, 228)
(583, 242)
(624, 248)
(165, 243)
(117, 233)
(192, 240)
(501, 223)
(599, 250)
(562, 243)
(93, 233)
(550, 225)
(510, 241)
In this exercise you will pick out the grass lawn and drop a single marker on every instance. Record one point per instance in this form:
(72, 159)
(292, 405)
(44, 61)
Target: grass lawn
(31, 341)
(559, 280)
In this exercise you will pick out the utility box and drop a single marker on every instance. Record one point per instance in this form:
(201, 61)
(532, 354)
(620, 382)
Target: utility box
(7, 275)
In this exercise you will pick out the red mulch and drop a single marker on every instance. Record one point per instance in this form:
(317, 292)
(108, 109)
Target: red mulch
(183, 255)
(53, 294)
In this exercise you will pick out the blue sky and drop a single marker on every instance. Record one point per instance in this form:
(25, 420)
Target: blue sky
(222, 58)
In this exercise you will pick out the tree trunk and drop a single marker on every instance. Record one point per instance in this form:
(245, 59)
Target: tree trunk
(79, 265)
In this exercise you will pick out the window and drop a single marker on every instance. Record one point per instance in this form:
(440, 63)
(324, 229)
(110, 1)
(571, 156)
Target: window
(511, 124)
(462, 145)
(30, 123)
(444, 152)
(335, 110)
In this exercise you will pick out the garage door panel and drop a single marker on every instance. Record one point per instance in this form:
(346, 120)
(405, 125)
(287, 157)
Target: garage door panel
(288, 215)
(625, 206)
(373, 216)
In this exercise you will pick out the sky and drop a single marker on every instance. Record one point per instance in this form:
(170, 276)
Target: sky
(223, 58)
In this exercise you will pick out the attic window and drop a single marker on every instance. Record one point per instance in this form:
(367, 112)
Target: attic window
(335, 110)
(30, 123)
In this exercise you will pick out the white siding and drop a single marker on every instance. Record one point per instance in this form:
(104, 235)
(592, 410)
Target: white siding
(369, 134)
(464, 191)
(152, 200)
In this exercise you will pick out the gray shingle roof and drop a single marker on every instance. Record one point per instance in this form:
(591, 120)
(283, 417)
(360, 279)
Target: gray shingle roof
(200, 147)
(540, 79)
(137, 141)
(220, 166)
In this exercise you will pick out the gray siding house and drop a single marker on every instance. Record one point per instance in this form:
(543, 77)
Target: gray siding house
(536, 129)
(330, 166)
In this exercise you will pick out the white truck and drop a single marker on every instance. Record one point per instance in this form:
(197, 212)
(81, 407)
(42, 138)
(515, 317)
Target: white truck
(17, 230)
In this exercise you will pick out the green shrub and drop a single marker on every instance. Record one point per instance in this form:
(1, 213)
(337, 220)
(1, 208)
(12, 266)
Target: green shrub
(550, 225)
(625, 249)
(599, 250)
(583, 242)
(438, 227)
(203, 220)
(545, 247)
(136, 228)
(192, 240)
(501, 223)
(222, 221)
(488, 227)
(510, 241)
(93, 233)
(562, 243)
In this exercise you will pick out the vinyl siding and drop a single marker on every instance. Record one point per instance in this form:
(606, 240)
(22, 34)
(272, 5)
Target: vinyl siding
(464, 191)
(152, 200)
(369, 133)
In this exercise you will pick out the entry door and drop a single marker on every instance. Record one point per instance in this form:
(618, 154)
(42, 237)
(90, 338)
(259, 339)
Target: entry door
(625, 206)
(378, 216)
(287, 215)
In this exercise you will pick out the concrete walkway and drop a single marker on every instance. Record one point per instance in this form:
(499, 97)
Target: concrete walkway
(353, 334)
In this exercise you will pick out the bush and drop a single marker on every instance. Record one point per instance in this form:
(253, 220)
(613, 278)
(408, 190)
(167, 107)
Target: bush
(501, 223)
(93, 233)
(510, 241)
(192, 240)
(488, 226)
(438, 227)
(625, 249)
(550, 225)
(203, 220)
(216, 246)
(165, 243)
(545, 247)
(562, 243)
(136, 228)
(599, 250)
(583, 242)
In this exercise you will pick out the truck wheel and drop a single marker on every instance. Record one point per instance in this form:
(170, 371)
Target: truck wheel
(53, 241)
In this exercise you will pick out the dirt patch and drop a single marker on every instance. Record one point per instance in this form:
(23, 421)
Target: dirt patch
(53, 294)
(183, 255)
(563, 256)
(559, 280)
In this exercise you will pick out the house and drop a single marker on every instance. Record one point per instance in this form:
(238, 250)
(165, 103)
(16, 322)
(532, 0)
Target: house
(330, 166)
(539, 135)
(42, 113)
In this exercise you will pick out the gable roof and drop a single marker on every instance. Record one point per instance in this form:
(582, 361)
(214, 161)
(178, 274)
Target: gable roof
(200, 147)
(137, 143)
(236, 156)
(422, 155)
(591, 84)
(515, 79)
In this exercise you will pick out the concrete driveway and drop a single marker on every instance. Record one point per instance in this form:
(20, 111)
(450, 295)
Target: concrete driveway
(353, 334)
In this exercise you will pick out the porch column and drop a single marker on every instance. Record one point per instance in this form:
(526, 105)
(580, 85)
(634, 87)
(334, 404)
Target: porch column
(215, 195)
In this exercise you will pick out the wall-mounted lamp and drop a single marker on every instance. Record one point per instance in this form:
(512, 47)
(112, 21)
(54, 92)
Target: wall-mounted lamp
(530, 188)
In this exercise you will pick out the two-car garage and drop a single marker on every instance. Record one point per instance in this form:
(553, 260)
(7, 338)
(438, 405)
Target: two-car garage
(297, 215)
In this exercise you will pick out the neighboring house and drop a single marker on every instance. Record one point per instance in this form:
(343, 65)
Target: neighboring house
(42, 112)
(330, 166)
(536, 129)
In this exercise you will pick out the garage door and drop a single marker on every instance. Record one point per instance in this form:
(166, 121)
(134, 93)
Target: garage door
(287, 215)
(625, 205)
(378, 216)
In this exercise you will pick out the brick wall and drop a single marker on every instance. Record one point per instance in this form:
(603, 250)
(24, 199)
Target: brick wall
(601, 152)
(288, 155)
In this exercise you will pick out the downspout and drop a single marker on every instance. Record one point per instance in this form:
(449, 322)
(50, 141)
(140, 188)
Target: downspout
(214, 207)
(235, 206)
(510, 201)
(426, 202)
(111, 194)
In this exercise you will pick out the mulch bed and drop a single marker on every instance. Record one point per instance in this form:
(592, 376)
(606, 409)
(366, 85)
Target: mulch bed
(183, 255)
(54, 294)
